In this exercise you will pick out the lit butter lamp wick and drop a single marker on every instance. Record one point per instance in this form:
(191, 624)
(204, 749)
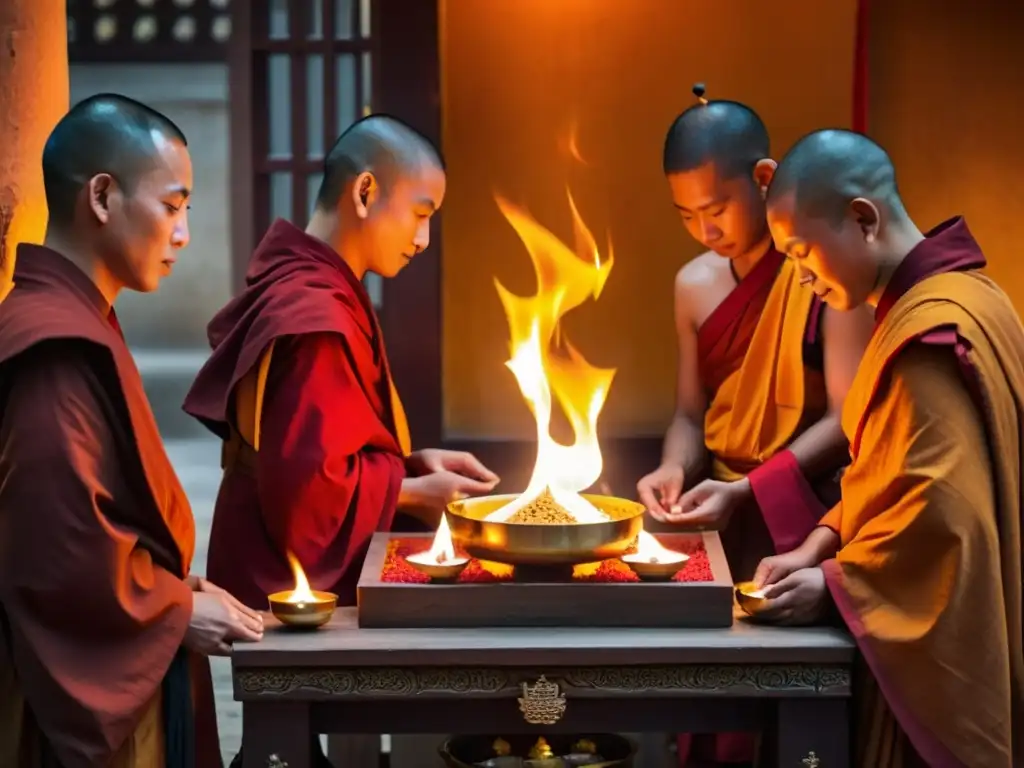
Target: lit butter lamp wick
(439, 562)
(653, 561)
(302, 607)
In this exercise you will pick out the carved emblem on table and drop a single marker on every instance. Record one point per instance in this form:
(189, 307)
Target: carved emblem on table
(542, 703)
(811, 761)
(725, 679)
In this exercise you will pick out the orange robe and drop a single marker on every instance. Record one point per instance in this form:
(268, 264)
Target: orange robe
(760, 361)
(96, 539)
(928, 577)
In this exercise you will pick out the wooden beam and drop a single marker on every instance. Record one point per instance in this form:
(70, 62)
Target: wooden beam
(33, 98)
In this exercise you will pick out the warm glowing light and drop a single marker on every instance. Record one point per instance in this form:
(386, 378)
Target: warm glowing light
(442, 551)
(547, 367)
(302, 592)
(573, 144)
(649, 550)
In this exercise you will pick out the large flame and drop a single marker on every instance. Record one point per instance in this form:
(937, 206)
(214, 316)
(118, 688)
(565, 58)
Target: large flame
(545, 363)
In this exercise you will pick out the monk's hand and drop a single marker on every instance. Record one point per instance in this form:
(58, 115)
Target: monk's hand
(659, 491)
(204, 585)
(436, 460)
(438, 489)
(709, 503)
(219, 620)
(774, 569)
(800, 598)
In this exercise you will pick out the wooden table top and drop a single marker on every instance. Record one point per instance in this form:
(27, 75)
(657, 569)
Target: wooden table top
(341, 643)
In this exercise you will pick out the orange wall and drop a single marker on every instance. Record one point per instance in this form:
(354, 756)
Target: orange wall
(515, 74)
(947, 101)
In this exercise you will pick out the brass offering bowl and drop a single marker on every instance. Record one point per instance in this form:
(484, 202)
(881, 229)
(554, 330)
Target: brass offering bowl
(468, 751)
(658, 570)
(446, 571)
(303, 615)
(750, 600)
(537, 544)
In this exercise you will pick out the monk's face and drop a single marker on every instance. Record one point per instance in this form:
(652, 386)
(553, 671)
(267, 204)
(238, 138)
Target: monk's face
(144, 225)
(723, 213)
(397, 225)
(837, 260)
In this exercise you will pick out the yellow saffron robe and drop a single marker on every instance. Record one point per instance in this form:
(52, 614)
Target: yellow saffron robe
(763, 393)
(928, 577)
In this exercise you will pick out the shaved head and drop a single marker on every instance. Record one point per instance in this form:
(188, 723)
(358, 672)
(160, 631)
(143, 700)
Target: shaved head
(827, 170)
(834, 208)
(379, 144)
(717, 165)
(726, 133)
(106, 133)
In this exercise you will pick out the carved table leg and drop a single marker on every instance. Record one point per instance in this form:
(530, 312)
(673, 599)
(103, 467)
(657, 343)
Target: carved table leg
(276, 728)
(814, 733)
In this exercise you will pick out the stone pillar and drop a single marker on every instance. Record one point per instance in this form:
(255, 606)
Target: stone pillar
(33, 97)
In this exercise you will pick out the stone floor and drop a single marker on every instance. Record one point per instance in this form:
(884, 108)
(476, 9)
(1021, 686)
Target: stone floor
(197, 461)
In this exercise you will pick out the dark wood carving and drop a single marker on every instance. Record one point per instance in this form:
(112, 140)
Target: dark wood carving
(689, 680)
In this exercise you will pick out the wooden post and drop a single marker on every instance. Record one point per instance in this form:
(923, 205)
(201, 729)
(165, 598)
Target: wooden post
(33, 97)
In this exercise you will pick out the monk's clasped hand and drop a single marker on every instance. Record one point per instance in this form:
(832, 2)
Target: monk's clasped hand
(709, 503)
(800, 598)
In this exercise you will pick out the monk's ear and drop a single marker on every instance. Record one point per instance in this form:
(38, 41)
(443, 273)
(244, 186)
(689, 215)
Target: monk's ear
(866, 215)
(365, 192)
(764, 170)
(100, 191)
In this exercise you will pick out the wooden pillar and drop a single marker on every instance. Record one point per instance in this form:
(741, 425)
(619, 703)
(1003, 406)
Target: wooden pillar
(33, 97)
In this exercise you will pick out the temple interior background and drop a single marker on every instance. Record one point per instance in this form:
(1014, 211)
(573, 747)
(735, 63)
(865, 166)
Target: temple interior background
(518, 78)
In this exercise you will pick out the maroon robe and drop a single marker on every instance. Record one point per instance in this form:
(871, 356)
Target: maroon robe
(96, 534)
(329, 467)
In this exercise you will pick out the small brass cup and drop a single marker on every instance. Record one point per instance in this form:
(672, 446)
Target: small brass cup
(303, 615)
(750, 599)
(446, 571)
(656, 571)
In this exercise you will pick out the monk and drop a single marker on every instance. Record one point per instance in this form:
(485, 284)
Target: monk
(103, 632)
(317, 454)
(922, 559)
(763, 367)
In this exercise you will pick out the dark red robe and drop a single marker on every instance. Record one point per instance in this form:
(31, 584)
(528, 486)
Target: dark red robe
(329, 467)
(96, 536)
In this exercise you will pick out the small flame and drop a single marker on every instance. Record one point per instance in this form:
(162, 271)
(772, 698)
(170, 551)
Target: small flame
(443, 549)
(302, 592)
(650, 550)
(547, 367)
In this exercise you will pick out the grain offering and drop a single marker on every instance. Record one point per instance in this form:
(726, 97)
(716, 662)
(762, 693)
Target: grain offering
(543, 510)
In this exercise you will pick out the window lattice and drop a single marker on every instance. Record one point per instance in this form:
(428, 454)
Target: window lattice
(149, 30)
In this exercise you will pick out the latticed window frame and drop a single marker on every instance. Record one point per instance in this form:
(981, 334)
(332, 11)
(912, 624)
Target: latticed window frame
(154, 21)
(277, 152)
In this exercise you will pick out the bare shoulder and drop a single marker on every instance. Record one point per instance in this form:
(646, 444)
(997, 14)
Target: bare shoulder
(701, 285)
(702, 272)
